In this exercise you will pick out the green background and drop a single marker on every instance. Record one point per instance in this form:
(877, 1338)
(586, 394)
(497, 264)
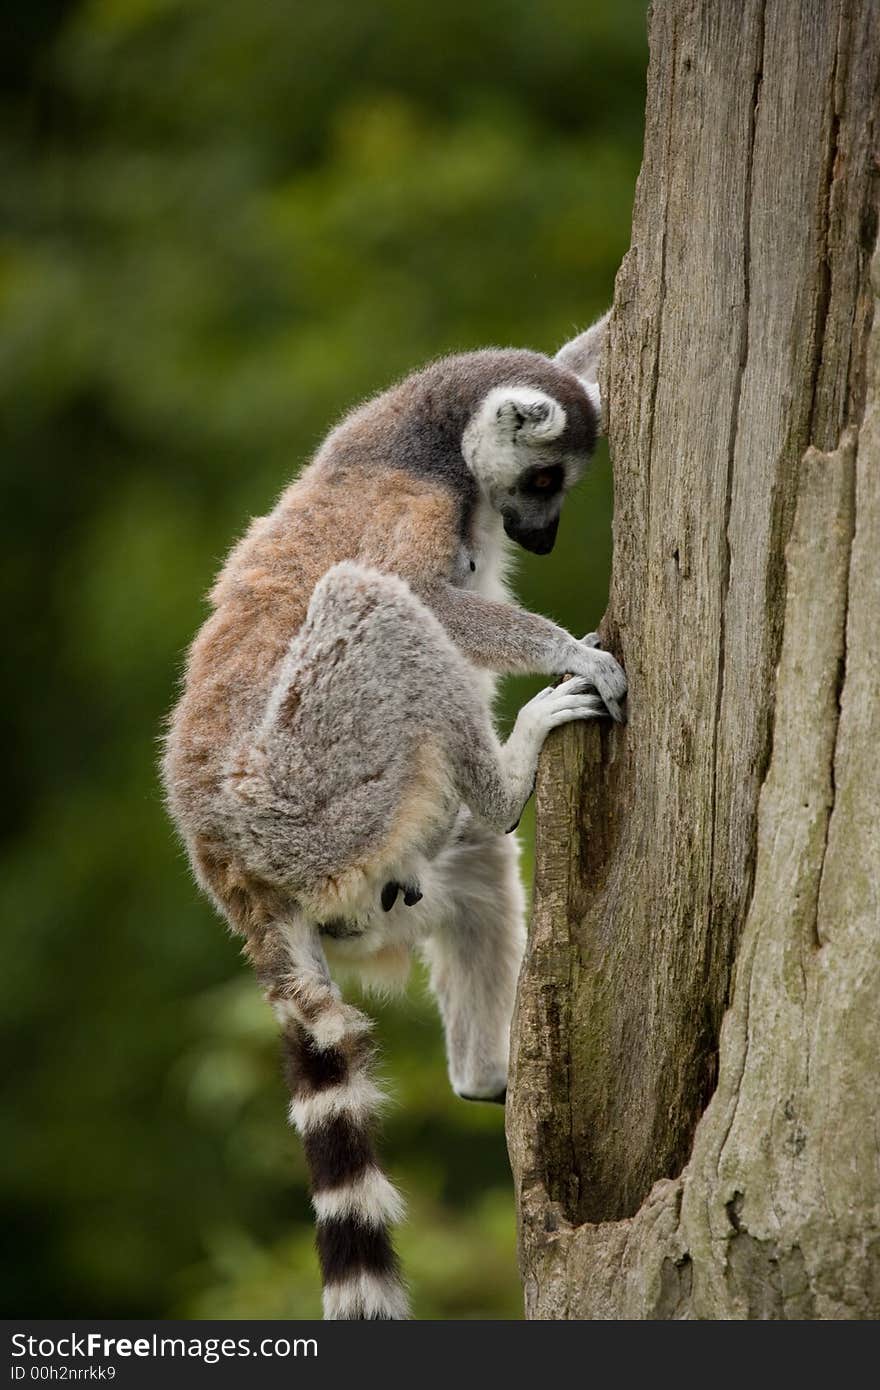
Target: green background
(223, 224)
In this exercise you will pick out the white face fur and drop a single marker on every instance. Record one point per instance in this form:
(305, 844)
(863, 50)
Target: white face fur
(510, 447)
(512, 421)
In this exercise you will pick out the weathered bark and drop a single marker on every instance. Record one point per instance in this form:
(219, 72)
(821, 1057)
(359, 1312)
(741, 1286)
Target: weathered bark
(723, 852)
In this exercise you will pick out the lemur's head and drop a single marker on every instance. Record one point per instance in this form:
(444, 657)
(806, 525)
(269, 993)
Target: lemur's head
(527, 444)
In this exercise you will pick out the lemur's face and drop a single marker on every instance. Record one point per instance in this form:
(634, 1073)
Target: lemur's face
(530, 506)
(525, 457)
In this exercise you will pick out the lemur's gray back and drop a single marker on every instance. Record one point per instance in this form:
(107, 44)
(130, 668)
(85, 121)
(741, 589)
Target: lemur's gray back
(417, 426)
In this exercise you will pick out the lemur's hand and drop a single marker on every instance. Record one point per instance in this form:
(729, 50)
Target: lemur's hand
(586, 658)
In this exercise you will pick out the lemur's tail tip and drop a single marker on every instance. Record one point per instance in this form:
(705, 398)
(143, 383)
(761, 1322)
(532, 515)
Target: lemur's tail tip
(363, 1296)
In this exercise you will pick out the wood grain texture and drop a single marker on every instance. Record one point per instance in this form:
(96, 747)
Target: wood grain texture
(693, 864)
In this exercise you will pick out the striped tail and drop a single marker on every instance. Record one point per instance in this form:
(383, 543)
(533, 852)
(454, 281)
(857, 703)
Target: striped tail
(333, 1101)
(327, 1060)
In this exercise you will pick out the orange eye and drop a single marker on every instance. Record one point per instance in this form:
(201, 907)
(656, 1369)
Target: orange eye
(543, 481)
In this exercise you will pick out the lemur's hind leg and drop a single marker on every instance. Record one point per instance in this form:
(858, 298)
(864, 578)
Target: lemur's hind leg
(474, 955)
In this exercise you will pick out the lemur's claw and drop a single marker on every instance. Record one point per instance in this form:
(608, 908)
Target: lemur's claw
(614, 709)
(412, 894)
(389, 895)
(610, 686)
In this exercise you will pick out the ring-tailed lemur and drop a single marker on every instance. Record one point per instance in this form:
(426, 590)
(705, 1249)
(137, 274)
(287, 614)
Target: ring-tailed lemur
(332, 764)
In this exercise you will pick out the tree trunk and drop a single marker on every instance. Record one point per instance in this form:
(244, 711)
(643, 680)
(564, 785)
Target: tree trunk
(693, 1115)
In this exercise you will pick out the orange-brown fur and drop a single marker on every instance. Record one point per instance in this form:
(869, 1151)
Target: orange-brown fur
(386, 520)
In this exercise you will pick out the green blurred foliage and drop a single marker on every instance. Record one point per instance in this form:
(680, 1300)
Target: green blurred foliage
(222, 225)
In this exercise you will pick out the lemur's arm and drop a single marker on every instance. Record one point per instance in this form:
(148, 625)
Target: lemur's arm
(510, 640)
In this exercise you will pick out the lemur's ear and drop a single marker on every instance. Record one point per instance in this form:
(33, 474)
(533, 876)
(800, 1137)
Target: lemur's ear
(583, 356)
(526, 412)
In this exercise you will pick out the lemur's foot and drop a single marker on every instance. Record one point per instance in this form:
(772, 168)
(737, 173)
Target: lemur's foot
(498, 1099)
(412, 894)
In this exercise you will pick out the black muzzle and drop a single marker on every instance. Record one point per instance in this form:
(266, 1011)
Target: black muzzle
(539, 540)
